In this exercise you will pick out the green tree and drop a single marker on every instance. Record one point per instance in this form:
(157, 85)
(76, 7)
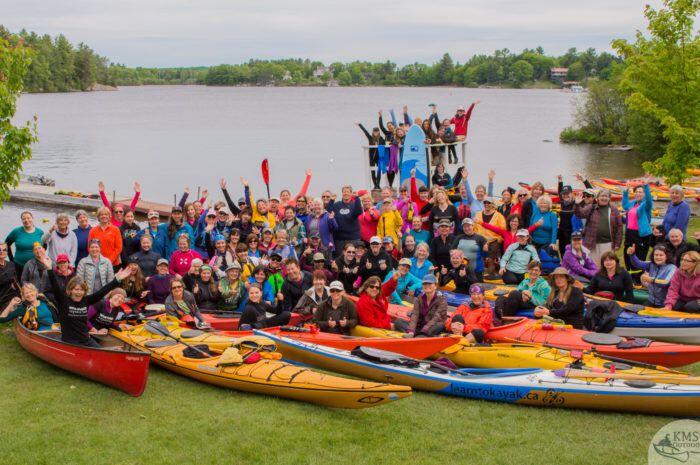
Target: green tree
(344, 78)
(662, 84)
(445, 68)
(521, 72)
(576, 72)
(15, 141)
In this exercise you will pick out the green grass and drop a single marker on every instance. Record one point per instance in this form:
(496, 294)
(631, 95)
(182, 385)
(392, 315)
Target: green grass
(48, 416)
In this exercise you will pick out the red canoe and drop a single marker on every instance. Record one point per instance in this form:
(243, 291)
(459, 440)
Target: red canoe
(656, 353)
(116, 364)
(419, 348)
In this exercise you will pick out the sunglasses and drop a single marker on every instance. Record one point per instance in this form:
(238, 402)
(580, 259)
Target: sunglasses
(334, 291)
(325, 196)
(118, 211)
(522, 195)
(275, 259)
(373, 286)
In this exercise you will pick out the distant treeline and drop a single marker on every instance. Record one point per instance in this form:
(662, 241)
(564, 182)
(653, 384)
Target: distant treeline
(59, 66)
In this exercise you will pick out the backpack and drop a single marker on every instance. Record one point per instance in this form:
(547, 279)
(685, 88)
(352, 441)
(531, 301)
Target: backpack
(549, 261)
(601, 315)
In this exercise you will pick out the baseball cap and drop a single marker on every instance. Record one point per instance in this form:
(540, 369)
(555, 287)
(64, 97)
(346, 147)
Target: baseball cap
(224, 211)
(314, 236)
(375, 240)
(336, 285)
(211, 213)
(387, 240)
(566, 189)
(62, 258)
(522, 233)
(319, 257)
(444, 222)
(405, 261)
(490, 200)
(429, 279)
(460, 108)
(176, 208)
(161, 261)
(241, 200)
(267, 230)
(467, 221)
(153, 214)
(590, 192)
(576, 235)
(234, 266)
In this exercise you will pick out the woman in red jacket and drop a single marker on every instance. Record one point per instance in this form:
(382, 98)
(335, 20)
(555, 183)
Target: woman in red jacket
(373, 304)
(472, 320)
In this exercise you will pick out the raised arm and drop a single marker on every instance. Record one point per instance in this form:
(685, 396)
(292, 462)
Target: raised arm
(305, 186)
(137, 194)
(105, 201)
(183, 199)
(231, 205)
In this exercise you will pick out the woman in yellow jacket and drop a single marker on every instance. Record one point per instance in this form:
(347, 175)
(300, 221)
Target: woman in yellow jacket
(261, 209)
(390, 222)
(491, 216)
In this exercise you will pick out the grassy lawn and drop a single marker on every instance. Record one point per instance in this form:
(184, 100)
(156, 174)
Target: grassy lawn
(48, 416)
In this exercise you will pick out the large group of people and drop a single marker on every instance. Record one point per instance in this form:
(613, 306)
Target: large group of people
(268, 258)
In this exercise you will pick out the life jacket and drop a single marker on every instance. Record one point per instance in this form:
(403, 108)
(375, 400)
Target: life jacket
(30, 319)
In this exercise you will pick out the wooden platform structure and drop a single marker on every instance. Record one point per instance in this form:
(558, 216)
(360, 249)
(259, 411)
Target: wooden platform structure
(46, 195)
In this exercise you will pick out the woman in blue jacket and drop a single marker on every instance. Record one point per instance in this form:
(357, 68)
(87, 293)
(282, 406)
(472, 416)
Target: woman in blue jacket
(321, 223)
(546, 235)
(657, 273)
(637, 224)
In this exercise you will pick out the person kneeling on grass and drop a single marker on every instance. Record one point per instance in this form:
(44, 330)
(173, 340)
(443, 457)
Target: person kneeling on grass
(429, 312)
(255, 314)
(565, 302)
(516, 258)
(532, 292)
(336, 314)
(472, 320)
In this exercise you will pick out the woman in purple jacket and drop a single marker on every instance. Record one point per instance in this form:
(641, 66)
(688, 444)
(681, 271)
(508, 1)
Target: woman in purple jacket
(577, 261)
(321, 223)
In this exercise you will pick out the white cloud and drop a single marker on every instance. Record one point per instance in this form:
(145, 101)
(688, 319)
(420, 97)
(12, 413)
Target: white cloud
(184, 33)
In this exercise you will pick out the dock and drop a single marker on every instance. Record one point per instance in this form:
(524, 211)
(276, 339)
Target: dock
(47, 195)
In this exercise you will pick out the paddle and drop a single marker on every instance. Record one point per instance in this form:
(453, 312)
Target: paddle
(265, 169)
(156, 327)
(572, 373)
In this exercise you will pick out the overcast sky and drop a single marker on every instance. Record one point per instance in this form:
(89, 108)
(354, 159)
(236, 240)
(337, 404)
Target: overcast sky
(208, 32)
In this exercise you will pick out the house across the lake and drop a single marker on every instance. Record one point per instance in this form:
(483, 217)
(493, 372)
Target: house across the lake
(558, 74)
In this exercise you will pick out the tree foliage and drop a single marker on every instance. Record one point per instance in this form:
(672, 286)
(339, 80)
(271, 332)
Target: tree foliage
(15, 141)
(662, 85)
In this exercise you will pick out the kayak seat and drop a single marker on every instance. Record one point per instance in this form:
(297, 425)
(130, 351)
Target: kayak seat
(384, 357)
(191, 352)
(603, 339)
(190, 333)
(156, 343)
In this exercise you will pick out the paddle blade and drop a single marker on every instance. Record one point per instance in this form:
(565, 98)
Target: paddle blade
(265, 169)
(156, 327)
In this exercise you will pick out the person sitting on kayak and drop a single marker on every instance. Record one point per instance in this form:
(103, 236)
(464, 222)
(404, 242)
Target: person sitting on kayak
(565, 302)
(337, 314)
(313, 297)
(232, 290)
(429, 312)
(407, 283)
(458, 273)
(684, 292)
(72, 305)
(612, 281)
(473, 247)
(532, 292)
(182, 305)
(516, 258)
(205, 289)
(158, 285)
(33, 310)
(472, 320)
(577, 260)
(255, 314)
(373, 304)
(657, 273)
(105, 314)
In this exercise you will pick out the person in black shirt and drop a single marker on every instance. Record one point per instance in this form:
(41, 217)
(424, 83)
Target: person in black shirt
(565, 302)
(458, 272)
(376, 262)
(347, 267)
(72, 305)
(442, 244)
(8, 278)
(440, 178)
(611, 281)
(566, 200)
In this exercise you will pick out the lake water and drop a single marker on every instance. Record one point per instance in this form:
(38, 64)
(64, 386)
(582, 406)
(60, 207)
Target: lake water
(169, 137)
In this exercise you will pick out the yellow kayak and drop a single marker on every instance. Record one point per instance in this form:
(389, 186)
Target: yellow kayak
(520, 355)
(660, 312)
(268, 375)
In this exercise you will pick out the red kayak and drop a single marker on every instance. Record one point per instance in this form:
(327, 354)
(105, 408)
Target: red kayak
(565, 337)
(418, 348)
(116, 364)
(553, 193)
(228, 322)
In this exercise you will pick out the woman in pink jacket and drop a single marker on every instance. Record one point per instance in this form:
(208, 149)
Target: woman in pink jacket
(684, 292)
(181, 259)
(118, 209)
(369, 219)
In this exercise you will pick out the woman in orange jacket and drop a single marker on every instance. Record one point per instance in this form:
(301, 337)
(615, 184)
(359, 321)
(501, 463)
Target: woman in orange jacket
(472, 320)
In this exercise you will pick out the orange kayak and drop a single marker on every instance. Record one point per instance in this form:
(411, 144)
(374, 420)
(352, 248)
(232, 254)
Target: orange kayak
(566, 337)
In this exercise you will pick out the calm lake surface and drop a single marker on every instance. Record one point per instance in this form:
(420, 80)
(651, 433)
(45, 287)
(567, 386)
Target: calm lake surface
(169, 137)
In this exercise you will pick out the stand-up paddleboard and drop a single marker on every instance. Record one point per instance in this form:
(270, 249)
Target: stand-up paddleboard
(414, 156)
